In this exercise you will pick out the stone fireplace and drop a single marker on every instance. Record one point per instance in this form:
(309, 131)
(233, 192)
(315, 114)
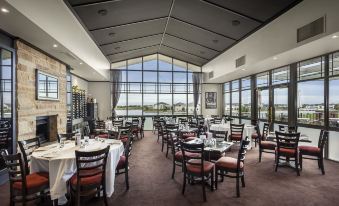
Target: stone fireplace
(46, 128)
(30, 110)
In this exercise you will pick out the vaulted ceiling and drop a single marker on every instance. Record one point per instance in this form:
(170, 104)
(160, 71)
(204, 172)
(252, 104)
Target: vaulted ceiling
(195, 31)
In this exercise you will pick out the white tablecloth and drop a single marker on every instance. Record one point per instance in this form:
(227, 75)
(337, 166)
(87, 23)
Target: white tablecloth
(61, 166)
(248, 130)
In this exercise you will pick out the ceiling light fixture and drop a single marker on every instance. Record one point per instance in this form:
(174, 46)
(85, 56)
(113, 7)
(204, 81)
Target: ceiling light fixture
(102, 12)
(80, 63)
(235, 22)
(4, 10)
(334, 36)
(243, 69)
(275, 58)
(55, 45)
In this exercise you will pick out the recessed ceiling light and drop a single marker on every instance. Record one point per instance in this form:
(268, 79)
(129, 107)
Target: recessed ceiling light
(102, 12)
(55, 45)
(4, 10)
(235, 22)
(215, 41)
(275, 58)
(334, 36)
(80, 63)
(111, 34)
(117, 48)
(243, 69)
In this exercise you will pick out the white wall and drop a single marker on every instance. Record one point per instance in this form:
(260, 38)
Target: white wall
(81, 83)
(102, 93)
(279, 38)
(212, 88)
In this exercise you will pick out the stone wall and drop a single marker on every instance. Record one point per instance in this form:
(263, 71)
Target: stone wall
(28, 108)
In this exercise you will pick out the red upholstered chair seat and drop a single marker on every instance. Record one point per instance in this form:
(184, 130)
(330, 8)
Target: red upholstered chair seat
(34, 181)
(309, 150)
(136, 129)
(196, 169)
(84, 181)
(103, 136)
(268, 145)
(287, 152)
(188, 134)
(122, 136)
(254, 136)
(228, 163)
(178, 155)
(122, 162)
(236, 137)
(124, 140)
(189, 139)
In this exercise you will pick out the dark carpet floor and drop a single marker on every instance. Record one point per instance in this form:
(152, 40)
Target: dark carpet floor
(151, 183)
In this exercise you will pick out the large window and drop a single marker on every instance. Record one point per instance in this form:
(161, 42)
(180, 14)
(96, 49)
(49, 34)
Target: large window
(235, 99)
(156, 85)
(245, 108)
(334, 91)
(263, 95)
(280, 80)
(311, 92)
(227, 99)
(6, 83)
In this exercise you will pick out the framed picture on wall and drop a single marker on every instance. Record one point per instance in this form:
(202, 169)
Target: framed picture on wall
(210, 100)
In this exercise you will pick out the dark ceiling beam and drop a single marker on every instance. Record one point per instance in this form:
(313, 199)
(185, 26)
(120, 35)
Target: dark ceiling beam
(131, 50)
(191, 42)
(168, 18)
(231, 11)
(185, 52)
(128, 24)
(202, 28)
(129, 39)
(94, 3)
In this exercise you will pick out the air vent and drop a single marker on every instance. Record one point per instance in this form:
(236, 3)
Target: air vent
(312, 29)
(240, 61)
(211, 75)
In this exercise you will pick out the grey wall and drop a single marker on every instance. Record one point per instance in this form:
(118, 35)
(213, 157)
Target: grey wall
(102, 93)
(212, 88)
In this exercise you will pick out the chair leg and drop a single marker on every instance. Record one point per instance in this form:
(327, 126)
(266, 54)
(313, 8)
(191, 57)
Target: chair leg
(243, 180)
(105, 195)
(203, 188)
(173, 171)
(260, 153)
(167, 147)
(237, 185)
(126, 178)
(216, 179)
(276, 162)
(184, 184)
(212, 180)
(162, 144)
(301, 161)
(322, 165)
(297, 165)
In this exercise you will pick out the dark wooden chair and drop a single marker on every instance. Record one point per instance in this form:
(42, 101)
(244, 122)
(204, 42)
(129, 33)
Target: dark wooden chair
(237, 131)
(171, 130)
(123, 166)
(314, 153)
(287, 148)
(24, 187)
(217, 120)
(68, 136)
(124, 133)
(27, 147)
(5, 138)
(220, 134)
(282, 128)
(196, 166)
(118, 123)
(264, 145)
(187, 135)
(255, 136)
(90, 178)
(233, 167)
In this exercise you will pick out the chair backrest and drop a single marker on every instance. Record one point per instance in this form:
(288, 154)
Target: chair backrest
(128, 147)
(16, 169)
(217, 120)
(5, 138)
(27, 147)
(193, 124)
(265, 130)
(126, 130)
(220, 134)
(68, 136)
(323, 138)
(118, 123)
(91, 164)
(287, 140)
(100, 124)
(172, 127)
(293, 129)
(281, 128)
(242, 152)
(237, 130)
(135, 122)
(195, 160)
(182, 120)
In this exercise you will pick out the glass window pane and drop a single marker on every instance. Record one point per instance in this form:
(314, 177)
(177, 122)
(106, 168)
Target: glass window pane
(235, 104)
(134, 64)
(190, 77)
(6, 72)
(179, 66)
(235, 85)
(150, 106)
(190, 104)
(134, 87)
(227, 87)
(134, 104)
(263, 101)
(246, 103)
(227, 106)
(180, 103)
(262, 79)
(165, 77)
(333, 152)
(179, 88)
(179, 77)
(311, 102)
(165, 88)
(334, 64)
(150, 76)
(134, 76)
(121, 108)
(7, 105)
(246, 83)
(6, 57)
(194, 68)
(334, 102)
(6, 85)
(165, 63)
(310, 69)
(165, 104)
(281, 104)
(281, 75)
(150, 62)
(150, 88)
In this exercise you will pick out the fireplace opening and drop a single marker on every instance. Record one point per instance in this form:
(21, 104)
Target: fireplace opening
(42, 128)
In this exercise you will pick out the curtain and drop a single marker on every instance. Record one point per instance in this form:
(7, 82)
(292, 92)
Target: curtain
(196, 92)
(116, 79)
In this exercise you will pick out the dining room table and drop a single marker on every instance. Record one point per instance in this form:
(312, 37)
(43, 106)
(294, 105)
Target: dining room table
(248, 130)
(58, 159)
